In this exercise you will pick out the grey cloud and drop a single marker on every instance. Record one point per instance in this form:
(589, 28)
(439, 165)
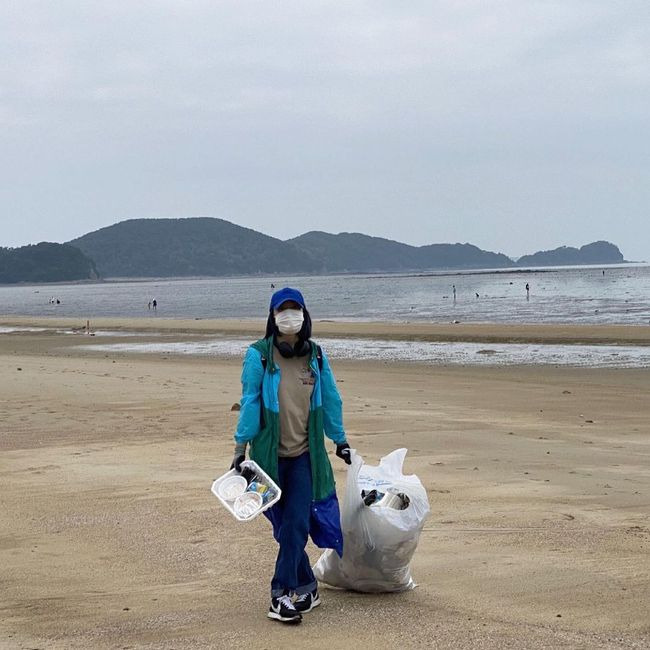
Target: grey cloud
(423, 121)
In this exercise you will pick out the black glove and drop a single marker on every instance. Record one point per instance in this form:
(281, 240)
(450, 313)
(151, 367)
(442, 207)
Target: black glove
(343, 451)
(239, 457)
(237, 461)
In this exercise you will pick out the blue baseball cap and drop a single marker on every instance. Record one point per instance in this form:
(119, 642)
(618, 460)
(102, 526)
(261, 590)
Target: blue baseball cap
(287, 294)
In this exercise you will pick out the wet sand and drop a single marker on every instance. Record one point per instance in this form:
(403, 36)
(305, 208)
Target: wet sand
(409, 331)
(538, 479)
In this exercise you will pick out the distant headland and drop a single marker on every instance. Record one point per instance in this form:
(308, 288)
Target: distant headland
(141, 248)
(45, 262)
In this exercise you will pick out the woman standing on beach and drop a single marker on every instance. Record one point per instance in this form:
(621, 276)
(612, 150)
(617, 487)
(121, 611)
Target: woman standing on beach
(289, 400)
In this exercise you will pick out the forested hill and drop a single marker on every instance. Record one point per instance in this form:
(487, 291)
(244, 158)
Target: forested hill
(45, 262)
(355, 252)
(598, 252)
(213, 247)
(189, 247)
(145, 248)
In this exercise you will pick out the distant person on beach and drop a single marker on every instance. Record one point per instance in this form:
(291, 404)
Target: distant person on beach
(289, 403)
(453, 288)
(149, 305)
(154, 304)
(527, 291)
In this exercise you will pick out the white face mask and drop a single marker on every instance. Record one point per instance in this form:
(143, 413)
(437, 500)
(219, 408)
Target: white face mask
(289, 321)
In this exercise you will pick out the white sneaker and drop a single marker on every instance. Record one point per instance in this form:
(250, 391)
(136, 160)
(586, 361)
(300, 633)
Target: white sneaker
(307, 602)
(282, 609)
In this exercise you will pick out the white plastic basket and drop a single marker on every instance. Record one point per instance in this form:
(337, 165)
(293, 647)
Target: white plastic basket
(228, 505)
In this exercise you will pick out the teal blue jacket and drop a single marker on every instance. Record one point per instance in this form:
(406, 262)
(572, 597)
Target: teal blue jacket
(259, 425)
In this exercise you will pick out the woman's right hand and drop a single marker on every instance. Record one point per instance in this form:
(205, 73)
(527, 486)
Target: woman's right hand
(239, 457)
(237, 460)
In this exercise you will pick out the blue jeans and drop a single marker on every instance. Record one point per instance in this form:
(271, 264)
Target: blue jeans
(292, 568)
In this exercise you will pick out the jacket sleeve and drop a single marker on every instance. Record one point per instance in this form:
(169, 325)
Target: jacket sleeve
(332, 404)
(252, 375)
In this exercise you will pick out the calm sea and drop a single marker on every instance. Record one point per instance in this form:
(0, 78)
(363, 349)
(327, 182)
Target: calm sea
(561, 295)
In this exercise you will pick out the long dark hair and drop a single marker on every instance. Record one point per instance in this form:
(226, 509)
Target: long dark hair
(305, 331)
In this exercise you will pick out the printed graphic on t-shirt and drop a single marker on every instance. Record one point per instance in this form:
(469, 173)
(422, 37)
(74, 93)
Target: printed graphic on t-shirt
(306, 377)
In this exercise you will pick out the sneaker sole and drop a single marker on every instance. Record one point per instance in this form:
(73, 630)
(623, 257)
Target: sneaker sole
(314, 603)
(283, 619)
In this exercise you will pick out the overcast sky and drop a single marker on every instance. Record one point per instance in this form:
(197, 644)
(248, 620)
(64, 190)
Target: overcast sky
(515, 125)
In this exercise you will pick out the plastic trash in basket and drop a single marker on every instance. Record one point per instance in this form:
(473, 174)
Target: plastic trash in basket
(232, 487)
(245, 502)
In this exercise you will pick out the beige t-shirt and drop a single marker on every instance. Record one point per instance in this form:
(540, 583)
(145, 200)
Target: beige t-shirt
(296, 385)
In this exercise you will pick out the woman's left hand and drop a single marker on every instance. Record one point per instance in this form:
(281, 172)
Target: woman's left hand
(343, 451)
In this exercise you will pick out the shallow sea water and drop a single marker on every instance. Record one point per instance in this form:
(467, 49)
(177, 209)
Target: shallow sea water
(561, 295)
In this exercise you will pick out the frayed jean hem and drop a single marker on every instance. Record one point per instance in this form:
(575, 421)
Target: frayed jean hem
(299, 591)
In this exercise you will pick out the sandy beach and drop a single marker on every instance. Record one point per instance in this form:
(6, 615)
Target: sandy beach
(538, 480)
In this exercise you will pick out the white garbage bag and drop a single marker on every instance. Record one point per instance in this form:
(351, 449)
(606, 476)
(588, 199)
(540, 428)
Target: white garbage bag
(378, 542)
